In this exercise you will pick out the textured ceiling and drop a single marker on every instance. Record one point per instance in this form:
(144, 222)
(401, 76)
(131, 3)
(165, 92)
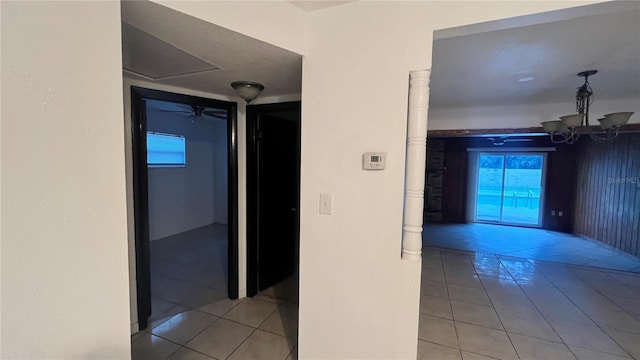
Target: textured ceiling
(237, 57)
(485, 68)
(143, 48)
(310, 5)
(472, 69)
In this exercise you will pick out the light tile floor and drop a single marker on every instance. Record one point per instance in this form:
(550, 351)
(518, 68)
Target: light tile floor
(483, 306)
(192, 317)
(188, 270)
(249, 329)
(536, 244)
(474, 305)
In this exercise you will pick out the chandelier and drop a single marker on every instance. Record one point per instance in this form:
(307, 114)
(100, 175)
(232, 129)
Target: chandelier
(569, 128)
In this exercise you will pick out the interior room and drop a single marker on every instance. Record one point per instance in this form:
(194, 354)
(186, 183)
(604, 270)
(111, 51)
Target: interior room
(497, 166)
(197, 310)
(187, 195)
(533, 218)
(361, 73)
(531, 239)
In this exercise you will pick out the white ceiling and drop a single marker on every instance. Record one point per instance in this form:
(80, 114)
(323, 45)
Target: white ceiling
(484, 68)
(477, 68)
(191, 46)
(141, 47)
(311, 5)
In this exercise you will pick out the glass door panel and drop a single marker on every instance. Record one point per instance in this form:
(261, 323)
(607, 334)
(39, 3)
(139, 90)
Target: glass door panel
(509, 188)
(522, 189)
(490, 187)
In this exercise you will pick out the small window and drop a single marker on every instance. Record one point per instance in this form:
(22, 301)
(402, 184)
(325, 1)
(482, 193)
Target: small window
(165, 150)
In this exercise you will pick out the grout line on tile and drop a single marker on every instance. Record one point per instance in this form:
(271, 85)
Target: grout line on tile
(446, 284)
(579, 309)
(176, 350)
(546, 275)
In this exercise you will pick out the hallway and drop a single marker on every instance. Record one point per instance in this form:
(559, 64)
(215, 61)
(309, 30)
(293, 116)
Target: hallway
(188, 270)
(251, 328)
(192, 317)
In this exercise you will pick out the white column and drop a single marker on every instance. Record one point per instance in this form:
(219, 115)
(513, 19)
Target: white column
(415, 165)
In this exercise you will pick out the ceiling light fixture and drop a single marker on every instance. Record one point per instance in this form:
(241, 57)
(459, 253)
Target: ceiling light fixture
(569, 128)
(248, 90)
(526, 79)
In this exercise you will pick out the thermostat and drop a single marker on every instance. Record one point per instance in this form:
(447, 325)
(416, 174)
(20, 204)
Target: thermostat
(374, 161)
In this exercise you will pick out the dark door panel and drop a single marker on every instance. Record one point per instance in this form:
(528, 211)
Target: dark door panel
(273, 193)
(277, 199)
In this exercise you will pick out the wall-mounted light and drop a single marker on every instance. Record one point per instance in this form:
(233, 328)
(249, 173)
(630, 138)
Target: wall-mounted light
(248, 90)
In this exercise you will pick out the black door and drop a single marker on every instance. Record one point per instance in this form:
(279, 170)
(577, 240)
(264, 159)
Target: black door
(273, 196)
(140, 203)
(140, 185)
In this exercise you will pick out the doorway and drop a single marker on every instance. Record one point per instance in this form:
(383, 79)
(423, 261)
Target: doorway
(273, 196)
(164, 150)
(509, 188)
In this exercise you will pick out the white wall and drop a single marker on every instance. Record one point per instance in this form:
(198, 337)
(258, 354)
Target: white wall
(2, 39)
(69, 273)
(186, 198)
(520, 116)
(64, 235)
(357, 298)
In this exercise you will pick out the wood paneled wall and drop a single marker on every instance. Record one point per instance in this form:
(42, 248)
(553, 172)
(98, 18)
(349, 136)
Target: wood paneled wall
(608, 193)
(560, 189)
(454, 199)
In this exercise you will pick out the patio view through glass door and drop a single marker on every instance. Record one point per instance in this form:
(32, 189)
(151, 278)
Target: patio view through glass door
(509, 188)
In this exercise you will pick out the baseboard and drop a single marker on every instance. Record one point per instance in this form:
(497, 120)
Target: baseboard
(135, 327)
(600, 242)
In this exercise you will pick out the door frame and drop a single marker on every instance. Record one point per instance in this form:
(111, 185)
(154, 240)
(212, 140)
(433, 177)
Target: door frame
(139, 96)
(252, 114)
(543, 181)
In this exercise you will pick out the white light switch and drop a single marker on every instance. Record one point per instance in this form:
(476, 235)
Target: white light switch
(325, 204)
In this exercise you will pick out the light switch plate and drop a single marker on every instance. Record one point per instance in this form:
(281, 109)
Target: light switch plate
(326, 201)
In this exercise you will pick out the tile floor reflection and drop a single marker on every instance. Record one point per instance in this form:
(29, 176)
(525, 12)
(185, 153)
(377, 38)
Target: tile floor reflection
(249, 329)
(188, 270)
(483, 306)
(192, 317)
(474, 305)
(536, 244)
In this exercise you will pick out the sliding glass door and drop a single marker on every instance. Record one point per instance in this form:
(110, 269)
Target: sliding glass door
(509, 188)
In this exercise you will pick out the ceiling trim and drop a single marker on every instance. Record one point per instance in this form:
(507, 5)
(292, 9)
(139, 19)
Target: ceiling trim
(528, 131)
(169, 77)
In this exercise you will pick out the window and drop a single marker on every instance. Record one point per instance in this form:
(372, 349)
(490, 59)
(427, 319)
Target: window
(509, 188)
(165, 150)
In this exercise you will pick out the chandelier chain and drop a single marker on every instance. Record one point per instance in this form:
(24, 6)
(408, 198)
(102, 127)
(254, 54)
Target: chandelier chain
(569, 128)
